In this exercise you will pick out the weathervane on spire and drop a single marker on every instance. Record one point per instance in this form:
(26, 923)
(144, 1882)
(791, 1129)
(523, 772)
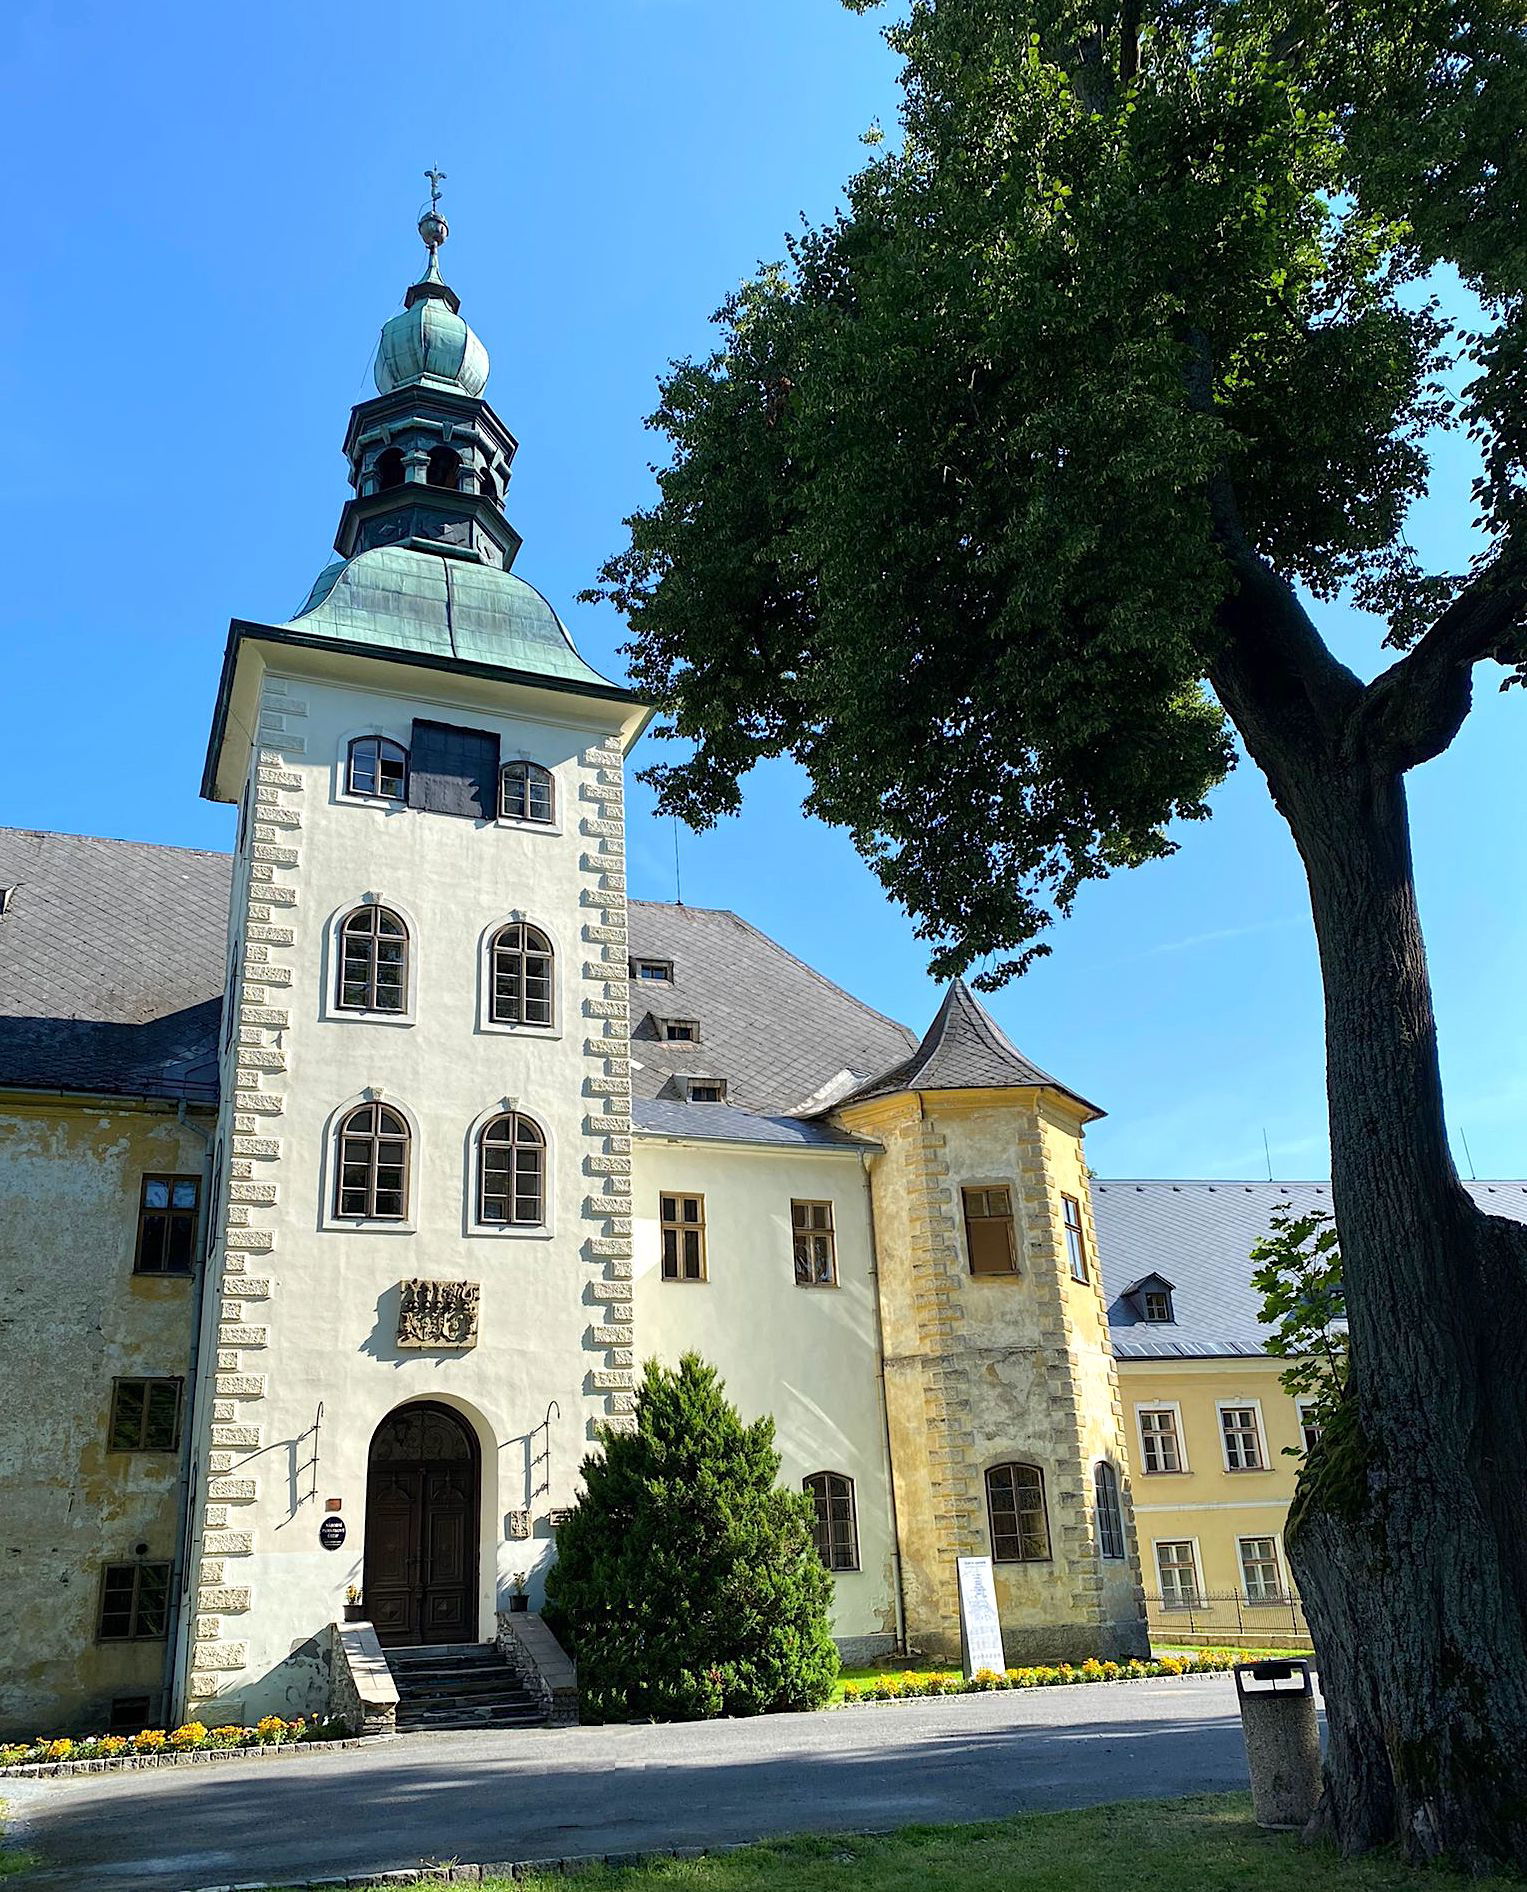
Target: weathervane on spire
(432, 226)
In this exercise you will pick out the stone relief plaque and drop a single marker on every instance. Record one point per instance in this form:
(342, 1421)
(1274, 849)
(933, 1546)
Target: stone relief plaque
(516, 1524)
(438, 1314)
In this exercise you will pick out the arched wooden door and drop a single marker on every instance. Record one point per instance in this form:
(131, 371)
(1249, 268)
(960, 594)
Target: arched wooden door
(422, 1504)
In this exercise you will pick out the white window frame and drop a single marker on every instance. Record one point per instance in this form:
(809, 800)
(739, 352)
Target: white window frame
(1301, 1407)
(329, 1162)
(1254, 1407)
(329, 1009)
(1280, 1569)
(340, 787)
(487, 1024)
(1198, 1575)
(521, 823)
(1162, 1405)
(471, 1225)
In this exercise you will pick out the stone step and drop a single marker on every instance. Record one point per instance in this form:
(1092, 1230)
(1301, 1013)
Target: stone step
(460, 1685)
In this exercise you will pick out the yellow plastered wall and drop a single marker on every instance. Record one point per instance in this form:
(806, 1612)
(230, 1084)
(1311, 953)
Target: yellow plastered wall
(74, 1316)
(982, 1370)
(1208, 1505)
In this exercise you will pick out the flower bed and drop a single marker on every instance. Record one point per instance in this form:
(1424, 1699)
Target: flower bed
(159, 1743)
(911, 1686)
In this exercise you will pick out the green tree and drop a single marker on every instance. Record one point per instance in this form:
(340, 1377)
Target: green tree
(1297, 1271)
(687, 1582)
(1014, 493)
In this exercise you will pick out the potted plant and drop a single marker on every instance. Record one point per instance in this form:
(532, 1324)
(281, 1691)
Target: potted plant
(355, 1609)
(518, 1600)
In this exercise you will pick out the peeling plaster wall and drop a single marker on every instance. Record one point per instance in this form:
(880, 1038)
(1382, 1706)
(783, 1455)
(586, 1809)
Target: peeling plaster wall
(806, 1355)
(73, 1316)
(981, 1369)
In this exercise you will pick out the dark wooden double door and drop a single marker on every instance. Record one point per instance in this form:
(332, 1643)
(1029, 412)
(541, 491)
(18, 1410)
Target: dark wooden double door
(421, 1527)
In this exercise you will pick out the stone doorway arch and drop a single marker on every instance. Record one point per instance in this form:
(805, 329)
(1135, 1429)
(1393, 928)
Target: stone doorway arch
(423, 1500)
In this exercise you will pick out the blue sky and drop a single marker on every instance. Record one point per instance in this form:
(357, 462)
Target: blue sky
(212, 214)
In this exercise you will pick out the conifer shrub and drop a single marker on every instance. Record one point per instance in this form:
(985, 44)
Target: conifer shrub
(687, 1583)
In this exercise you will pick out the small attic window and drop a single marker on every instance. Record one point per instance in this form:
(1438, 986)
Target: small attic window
(7, 895)
(1152, 1299)
(680, 1031)
(705, 1090)
(652, 969)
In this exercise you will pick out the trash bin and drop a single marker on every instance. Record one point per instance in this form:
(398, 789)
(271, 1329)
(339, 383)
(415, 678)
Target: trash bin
(1282, 1740)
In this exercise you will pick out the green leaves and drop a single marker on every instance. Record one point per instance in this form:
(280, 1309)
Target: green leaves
(1298, 1275)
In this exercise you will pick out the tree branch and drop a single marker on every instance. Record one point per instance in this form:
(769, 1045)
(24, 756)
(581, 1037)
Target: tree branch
(1413, 710)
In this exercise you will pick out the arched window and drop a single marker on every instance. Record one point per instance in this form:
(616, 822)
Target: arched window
(521, 992)
(389, 469)
(443, 468)
(379, 767)
(371, 1183)
(373, 962)
(525, 792)
(487, 485)
(1105, 1485)
(1015, 1509)
(835, 1525)
(511, 1172)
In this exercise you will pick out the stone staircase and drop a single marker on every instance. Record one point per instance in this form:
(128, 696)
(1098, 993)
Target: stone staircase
(460, 1685)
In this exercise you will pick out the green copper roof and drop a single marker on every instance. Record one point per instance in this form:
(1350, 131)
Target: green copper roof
(429, 344)
(428, 604)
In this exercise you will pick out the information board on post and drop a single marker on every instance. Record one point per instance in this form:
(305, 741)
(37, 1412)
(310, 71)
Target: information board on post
(980, 1628)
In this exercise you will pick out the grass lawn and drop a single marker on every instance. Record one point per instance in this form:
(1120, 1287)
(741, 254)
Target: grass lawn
(874, 1671)
(1205, 1844)
(11, 1860)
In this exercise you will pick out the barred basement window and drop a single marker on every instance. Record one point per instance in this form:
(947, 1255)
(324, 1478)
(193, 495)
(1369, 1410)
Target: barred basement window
(527, 793)
(377, 767)
(835, 1526)
(134, 1603)
(1105, 1486)
(168, 1210)
(1076, 1241)
(145, 1416)
(373, 962)
(511, 1172)
(989, 1238)
(372, 1179)
(521, 992)
(683, 1232)
(816, 1259)
(1015, 1506)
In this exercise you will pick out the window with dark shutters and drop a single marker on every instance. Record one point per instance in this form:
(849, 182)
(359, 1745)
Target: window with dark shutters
(454, 771)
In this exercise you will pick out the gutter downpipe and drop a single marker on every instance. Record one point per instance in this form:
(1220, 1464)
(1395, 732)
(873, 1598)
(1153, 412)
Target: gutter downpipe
(897, 1596)
(179, 1564)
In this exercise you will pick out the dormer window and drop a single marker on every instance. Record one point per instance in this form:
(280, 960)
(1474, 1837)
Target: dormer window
(1156, 1304)
(1151, 1298)
(652, 969)
(705, 1090)
(680, 1031)
(526, 793)
(377, 768)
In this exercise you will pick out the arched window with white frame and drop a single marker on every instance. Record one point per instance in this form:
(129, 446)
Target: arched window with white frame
(511, 1172)
(373, 961)
(522, 968)
(371, 1170)
(527, 793)
(377, 768)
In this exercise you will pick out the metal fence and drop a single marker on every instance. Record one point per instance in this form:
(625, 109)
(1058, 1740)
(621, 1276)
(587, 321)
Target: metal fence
(1207, 1617)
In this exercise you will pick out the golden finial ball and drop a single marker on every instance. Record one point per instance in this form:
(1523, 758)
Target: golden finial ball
(434, 228)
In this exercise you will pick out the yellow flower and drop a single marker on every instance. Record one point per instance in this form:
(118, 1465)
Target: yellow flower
(60, 1750)
(149, 1740)
(189, 1734)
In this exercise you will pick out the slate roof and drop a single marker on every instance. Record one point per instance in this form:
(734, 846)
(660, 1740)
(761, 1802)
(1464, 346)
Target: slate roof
(964, 1049)
(721, 1123)
(774, 1029)
(111, 965)
(1199, 1236)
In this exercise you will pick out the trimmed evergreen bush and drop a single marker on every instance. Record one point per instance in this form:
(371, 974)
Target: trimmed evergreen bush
(687, 1583)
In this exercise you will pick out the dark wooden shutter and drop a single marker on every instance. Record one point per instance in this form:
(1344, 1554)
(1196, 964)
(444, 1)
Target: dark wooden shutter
(454, 771)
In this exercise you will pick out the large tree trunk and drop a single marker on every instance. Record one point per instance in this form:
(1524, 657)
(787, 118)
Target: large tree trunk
(1408, 1536)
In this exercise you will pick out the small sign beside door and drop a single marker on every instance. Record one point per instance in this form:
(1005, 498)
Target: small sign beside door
(980, 1627)
(331, 1533)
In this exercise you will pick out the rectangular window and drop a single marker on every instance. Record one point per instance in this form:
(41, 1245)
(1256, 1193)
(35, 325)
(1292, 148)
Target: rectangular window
(706, 1090)
(145, 1416)
(1178, 1571)
(681, 1031)
(134, 1602)
(1242, 1438)
(454, 771)
(683, 1224)
(1076, 1242)
(1309, 1425)
(1015, 1511)
(652, 968)
(989, 1238)
(836, 1528)
(816, 1259)
(1160, 1442)
(1158, 1304)
(1260, 1572)
(167, 1216)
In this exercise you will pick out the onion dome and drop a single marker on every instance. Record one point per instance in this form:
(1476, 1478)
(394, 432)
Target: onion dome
(428, 344)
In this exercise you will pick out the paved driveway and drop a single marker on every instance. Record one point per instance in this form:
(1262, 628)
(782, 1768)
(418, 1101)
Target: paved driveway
(544, 1794)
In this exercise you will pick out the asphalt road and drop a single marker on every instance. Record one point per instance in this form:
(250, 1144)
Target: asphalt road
(548, 1794)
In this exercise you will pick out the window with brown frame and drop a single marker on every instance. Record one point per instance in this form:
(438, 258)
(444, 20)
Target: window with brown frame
(1015, 1506)
(989, 1237)
(705, 1090)
(511, 1172)
(378, 768)
(835, 1526)
(169, 1208)
(1160, 1442)
(1110, 1513)
(145, 1416)
(815, 1244)
(526, 793)
(373, 961)
(681, 1031)
(683, 1230)
(523, 965)
(1076, 1241)
(371, 1183)
(134, 1603)
(1242, 1439)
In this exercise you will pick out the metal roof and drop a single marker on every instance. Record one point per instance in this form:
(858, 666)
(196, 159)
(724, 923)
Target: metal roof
(721, 1123)
(1199, 1236)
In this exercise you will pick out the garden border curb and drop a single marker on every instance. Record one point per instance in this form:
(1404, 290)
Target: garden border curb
(191, 1757)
